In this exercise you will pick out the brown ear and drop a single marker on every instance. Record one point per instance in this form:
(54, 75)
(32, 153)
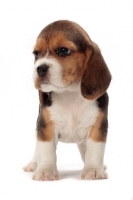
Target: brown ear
(96, 77)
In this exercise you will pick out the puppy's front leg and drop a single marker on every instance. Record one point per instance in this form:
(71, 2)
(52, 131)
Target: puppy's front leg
(95, 147)
(46, 147)
(93, 167)
(46, 161)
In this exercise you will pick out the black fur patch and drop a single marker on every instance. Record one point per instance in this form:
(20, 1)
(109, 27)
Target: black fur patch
(103, 105)
(40, 122)
(102, 102)
(104, 128)
(46, 99)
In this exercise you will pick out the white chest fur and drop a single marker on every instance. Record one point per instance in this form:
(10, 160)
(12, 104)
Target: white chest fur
(73, 116)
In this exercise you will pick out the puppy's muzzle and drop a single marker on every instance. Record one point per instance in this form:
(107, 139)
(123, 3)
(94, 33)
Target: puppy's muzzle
(42, 70)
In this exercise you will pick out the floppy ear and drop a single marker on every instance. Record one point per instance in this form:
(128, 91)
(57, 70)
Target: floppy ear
(96, 76)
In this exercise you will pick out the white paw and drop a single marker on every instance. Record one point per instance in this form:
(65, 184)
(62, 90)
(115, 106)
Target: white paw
(31, 167)
(94, 173)
(45, 175)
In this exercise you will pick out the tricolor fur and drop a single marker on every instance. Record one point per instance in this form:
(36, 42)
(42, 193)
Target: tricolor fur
(72, 78)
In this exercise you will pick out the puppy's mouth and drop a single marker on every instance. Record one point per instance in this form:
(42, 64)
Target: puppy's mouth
(48, 82)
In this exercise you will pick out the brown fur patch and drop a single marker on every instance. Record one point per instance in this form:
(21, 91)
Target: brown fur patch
(40, 46)
(99, 129)
(72, 65)
(45, 126)
(41, 99)
(37, 82)
(60, 40)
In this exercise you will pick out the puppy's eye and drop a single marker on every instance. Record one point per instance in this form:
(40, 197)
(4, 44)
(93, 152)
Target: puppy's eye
(36, 54)
(63, 51)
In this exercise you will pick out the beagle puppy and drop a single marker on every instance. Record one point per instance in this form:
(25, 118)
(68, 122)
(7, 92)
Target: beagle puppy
(71, 77)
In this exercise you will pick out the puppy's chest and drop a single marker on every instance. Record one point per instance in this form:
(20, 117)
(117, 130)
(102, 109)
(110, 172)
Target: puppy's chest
(73, 116)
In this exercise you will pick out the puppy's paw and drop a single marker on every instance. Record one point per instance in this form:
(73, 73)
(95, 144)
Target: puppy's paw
(31, 167)
(45, 175)
(94, 173)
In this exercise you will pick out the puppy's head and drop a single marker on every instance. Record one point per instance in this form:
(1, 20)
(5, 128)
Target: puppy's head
(65, 57)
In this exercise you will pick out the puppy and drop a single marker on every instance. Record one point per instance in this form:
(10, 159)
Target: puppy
(71, 77)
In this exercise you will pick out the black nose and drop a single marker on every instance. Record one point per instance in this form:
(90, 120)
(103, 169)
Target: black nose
(42, 70)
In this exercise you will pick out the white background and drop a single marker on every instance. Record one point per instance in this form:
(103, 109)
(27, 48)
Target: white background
(110, 25)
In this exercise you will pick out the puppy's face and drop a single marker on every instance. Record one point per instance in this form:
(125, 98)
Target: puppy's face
(60, 56)
(62, 53)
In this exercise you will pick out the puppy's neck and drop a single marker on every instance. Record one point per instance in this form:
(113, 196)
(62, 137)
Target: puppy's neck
(70, 97)
(73, 87)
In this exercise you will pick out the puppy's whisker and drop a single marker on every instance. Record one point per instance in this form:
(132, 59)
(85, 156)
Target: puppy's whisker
(29, 81)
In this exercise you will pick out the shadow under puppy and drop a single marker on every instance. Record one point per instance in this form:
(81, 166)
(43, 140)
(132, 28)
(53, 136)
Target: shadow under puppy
(72, 78)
